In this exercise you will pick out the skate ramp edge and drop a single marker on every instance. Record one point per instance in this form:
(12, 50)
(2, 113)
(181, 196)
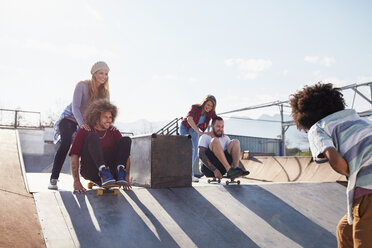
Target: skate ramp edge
(20, 226)
(289, 169)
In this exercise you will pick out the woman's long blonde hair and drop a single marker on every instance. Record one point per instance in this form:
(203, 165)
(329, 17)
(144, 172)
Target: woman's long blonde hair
(101, 93)
(206, 99)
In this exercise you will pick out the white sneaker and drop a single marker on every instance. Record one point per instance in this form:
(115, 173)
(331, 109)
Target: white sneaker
(194, 179)
(53, 184)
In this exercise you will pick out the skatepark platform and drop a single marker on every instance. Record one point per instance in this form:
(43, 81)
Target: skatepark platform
(267, 211)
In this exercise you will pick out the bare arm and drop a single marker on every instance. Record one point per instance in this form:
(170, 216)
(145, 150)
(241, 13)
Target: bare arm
(127, 177)
(74, 162)
(191, 121)
(337, 162)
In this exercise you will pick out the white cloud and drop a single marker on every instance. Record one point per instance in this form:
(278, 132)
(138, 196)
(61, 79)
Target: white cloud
(249, 67)
(325, 61)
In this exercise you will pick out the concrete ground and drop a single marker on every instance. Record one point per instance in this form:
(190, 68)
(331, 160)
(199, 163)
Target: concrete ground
(256, 213)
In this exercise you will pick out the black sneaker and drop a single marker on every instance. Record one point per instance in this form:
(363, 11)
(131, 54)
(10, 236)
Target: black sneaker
(121, 176)
(245, 173)
(234, 172)
(106, 176)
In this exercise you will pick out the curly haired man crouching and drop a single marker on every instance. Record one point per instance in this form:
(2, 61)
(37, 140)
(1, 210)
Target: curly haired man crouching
(103, 152)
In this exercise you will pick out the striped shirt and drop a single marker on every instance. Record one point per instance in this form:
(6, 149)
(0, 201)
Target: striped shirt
(351, 136)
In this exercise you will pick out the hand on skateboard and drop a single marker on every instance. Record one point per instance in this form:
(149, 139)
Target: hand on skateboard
(79, 188)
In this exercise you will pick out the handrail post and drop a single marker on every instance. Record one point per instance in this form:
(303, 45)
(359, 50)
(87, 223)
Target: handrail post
(15, 118)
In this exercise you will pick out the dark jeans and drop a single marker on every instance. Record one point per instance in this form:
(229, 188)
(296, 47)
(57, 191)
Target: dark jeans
(92, 157)
(67, 128)
(214, 160)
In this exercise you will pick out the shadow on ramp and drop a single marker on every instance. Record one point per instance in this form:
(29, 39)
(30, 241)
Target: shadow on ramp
(283, 217)
(151, 218)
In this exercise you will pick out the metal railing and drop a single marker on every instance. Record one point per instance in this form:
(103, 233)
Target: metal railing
(14, 118)
(171, 128)
(281, 104)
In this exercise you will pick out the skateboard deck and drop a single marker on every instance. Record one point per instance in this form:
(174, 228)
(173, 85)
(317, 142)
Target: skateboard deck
(230, 179)
(114, 188)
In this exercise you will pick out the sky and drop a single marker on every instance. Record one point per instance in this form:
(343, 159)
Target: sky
(166, 55)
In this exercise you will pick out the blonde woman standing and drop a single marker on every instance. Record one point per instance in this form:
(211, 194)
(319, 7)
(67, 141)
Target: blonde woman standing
(72, 117)
(196, 122)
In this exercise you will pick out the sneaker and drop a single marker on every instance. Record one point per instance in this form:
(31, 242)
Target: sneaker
(106, 176)
(121, 176)
(245, 173)
(234, 172)
(194, 179)
(53, 184)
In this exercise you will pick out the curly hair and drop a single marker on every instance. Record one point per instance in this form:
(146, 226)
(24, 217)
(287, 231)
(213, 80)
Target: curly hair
(315, 102)
(93, 113)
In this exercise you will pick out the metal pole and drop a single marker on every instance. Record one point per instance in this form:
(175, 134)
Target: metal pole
(371, 92)
(15, 118)
(283, 130)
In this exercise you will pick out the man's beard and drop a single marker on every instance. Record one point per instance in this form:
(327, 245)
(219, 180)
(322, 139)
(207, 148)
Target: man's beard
(217, 135)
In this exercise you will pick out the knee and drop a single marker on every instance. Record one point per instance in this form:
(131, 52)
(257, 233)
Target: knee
(235, 142)
(215, 143)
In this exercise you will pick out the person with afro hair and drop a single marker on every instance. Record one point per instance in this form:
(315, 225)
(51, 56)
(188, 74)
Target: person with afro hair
(345, 139)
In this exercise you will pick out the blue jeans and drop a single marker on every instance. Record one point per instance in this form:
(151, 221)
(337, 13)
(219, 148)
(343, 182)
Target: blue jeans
(194, 141)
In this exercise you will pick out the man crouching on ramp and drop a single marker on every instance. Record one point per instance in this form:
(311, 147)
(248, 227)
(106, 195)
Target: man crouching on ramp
(218, 153)
(103, 152)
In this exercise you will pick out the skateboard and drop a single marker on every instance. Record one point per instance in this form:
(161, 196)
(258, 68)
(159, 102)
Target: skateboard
(114, 188)
(231, 179)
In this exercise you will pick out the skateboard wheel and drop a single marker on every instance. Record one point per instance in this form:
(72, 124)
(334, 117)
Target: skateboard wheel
(227, 182)
(209, 180)
(116, 191)
(238, 182)
(99, 191)
(90, 185)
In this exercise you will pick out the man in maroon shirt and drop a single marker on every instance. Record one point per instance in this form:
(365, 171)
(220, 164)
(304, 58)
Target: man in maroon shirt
(103, 152)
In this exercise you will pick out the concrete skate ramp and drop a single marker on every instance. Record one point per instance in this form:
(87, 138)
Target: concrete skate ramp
(289, 169)
(258, 214)
(266, 215)
(19, 225)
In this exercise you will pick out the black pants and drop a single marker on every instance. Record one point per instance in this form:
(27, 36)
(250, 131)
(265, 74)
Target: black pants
(92, 157)
(67, 128)
(214, 160)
